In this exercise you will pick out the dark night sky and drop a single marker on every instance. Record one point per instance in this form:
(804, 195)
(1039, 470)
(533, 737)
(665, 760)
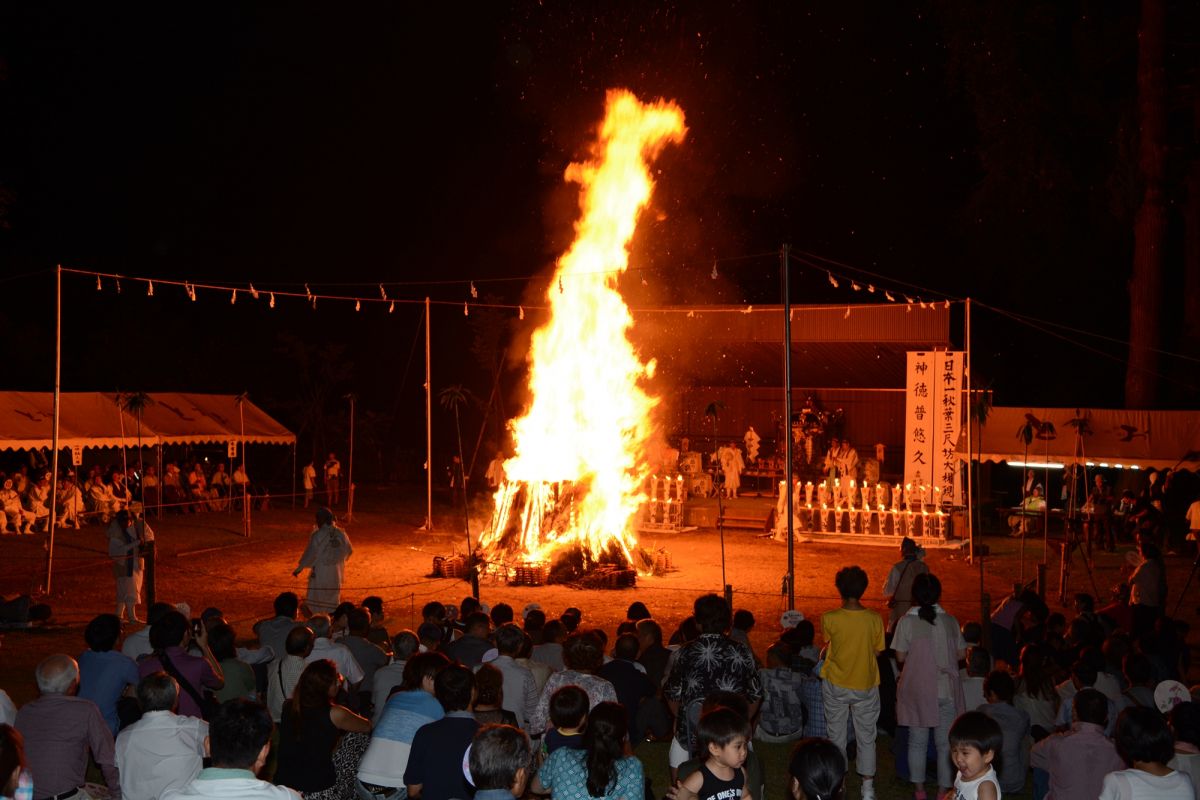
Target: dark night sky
(975, 153)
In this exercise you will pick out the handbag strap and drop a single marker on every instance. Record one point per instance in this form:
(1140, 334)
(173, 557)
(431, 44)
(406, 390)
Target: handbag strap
(184, 683)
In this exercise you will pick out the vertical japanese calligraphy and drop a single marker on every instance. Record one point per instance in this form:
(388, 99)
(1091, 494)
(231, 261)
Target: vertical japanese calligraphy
(933, 423)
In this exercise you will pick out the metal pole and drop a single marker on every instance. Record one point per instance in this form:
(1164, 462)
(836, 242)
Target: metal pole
(54, 432)
(970, 444)
(350, 474)
(428, 428)
(787, 427)
(293, 474)
(245, 471)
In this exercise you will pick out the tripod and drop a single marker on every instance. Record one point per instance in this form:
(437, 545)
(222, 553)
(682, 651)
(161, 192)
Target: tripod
(1070, 544)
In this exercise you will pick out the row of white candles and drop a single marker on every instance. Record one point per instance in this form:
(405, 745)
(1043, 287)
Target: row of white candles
(836, 492)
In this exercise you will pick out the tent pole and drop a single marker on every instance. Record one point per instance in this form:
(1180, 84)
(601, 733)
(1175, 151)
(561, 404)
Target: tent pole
(970, 443)
(293, 474)
(350, 473)
(787, 427)
(161, 477)
(428, 428)
(54, 433)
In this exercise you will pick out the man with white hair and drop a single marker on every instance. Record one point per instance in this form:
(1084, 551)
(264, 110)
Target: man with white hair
(339, 654)
(18, 517)
(162, 750)
(60, 730)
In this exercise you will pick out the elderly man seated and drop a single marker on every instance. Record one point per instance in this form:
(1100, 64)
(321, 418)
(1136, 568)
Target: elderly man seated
(60, 730)
(162, 750)
(70, 502)
(1029, 521)
(37, 499)
(20, 519)
(102, 500)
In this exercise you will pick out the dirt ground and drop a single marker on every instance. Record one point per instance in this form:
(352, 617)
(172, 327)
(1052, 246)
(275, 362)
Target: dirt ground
(205, 561)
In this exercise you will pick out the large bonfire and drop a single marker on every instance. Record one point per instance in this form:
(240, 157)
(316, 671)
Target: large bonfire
(576, 480)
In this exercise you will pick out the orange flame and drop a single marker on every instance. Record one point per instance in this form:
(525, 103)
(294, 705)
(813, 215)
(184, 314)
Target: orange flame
(589, 421)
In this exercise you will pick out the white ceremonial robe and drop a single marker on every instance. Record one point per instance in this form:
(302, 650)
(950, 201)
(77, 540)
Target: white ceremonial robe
(325, 557)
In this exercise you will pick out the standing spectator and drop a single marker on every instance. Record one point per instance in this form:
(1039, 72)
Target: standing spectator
(468, 650)
(929, 695)
(311, 727)
(898, 588)
(284, 671)
(435, 762)
(781, 717)
(1014, 725)
(125, 550)
(404, 646)
(60, 730)
(162, 750)
(310, 482)
(325, 558)
(722, 749)
(273, 632)
(1148, 586)
(381, 771)
(520, 688)
(1072, 765)
(583, 656)
(850, 690)
(601, 769)
(1101, 500)
(500, 762)
(629, 681)
(1144, 742)
(368, 655)
(170, 637)
(240, 736)
(711, 662)
(104, 673)
(333, 479)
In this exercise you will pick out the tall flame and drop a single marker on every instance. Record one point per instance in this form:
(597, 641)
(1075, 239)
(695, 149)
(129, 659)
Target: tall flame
(589, 420)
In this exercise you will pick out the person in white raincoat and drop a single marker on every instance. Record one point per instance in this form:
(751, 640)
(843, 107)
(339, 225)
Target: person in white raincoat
(325, 557)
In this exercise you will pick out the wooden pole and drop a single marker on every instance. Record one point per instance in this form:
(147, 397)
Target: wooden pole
(787, 427)
(54, 431)
(350, 474)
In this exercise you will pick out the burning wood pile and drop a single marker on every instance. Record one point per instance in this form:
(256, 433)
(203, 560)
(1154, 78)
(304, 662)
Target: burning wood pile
(574, 486)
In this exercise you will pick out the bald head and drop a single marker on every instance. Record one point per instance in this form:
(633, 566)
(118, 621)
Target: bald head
(57, 674)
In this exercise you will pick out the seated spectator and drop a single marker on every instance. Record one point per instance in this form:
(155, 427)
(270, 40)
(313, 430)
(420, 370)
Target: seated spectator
(434, 613)
(60, 730)
(489, 696)
(601, 769)
(501, 761)
(637, 612)
(583, 657)
(435, 762)
(629, 681)
(17, 516)
(240, 737)
(520, 694)
(272, 632)
(310, 731)
(1184, 721)
(381, 772)
(817, 769)
(1035, 694)
(430, 637)
(541, 672)
(799, 639)
(387, 678)
(1014, 725)
(284, 672)
(105, 674)
(979, 664)
(378, 633)
(325, 648)
(239, 676)
(568, 714)
(570, 618)
(14, 771)
(781, 716)
(468, 650)
(1139, 673)
(550, 650)
(1144, 742)
(170, 637)
(137, 644)
(535, 622)
(1072, 765)
(743, 621)
(369, 656)
(1083, 675)
(652, 655)
(162, 750)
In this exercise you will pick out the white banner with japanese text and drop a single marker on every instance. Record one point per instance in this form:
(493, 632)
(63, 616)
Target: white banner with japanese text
(933, 424)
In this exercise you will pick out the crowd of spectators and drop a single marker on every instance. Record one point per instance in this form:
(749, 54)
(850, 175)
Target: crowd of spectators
(494, 703)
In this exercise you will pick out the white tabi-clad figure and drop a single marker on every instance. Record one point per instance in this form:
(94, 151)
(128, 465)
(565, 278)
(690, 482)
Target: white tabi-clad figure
(847, 460)
(125, 549)
(18, 517)
(751, 440)
(495, 472)
(731, 466)
(71, 500)
(39, 501)
(103, 500)
(325, 557)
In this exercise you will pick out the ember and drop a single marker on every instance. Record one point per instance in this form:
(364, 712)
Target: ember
(577, 479)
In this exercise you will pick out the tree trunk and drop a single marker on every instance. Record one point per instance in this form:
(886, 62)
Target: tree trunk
(1150, 223)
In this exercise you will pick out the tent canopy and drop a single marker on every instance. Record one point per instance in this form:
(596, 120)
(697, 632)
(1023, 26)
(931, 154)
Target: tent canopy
(1119, 438)
(95, 419)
